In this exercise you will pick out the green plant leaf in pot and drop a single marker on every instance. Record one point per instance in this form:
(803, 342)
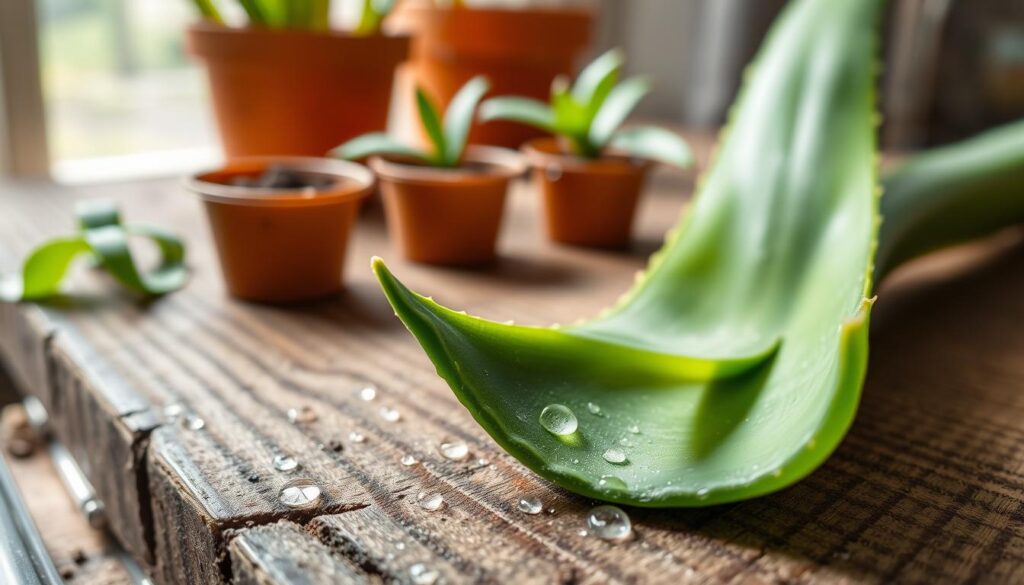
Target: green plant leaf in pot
(458, 119)
(652, 143)
(770, 269)
(209, 11)
(448, 137)
(372, 16)
(588, 114)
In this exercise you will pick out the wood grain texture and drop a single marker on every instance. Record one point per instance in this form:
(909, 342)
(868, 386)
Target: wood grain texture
(926, 488)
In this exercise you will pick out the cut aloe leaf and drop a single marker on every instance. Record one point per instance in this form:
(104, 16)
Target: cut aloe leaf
(770, 271)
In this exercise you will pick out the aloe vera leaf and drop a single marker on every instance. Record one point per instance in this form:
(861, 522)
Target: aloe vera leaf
(653, 143)
(106, 240)
(458, 119)
(372, 16)
(952, 194)
(431, 120)
(320, 14)
(519, 109)
(255, 12)
(377, 143)
(777, 247)
(571, 118)
(208, 9)
(596, 80)
(621, 100)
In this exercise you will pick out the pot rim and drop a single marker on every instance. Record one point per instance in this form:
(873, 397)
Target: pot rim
(358, 182)
(546, 152)
(224, 44)
(502, 164)
(207, 28)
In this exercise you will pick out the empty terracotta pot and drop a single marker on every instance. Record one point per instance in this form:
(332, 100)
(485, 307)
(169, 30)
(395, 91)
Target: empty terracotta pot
(295, 92)
(520, 50)
(282, 245)
(448, 216)
(586, 202)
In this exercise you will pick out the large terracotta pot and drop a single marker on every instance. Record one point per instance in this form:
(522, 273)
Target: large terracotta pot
(294, 92)
(448, 216)
(520, 51)
(282, 245)
(586, 202)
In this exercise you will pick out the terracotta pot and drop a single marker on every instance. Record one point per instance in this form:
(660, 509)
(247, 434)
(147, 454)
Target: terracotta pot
(586, 202)
(282, 245)
(448, 216)
(520, 51)
(293, 92)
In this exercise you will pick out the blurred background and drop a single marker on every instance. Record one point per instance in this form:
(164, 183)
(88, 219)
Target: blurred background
(102, 89)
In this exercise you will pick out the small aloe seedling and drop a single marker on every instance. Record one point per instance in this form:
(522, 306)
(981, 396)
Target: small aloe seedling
(589, 113)
(447, 138)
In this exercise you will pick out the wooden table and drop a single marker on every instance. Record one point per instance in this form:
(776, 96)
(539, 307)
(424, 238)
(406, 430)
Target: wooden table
(926, 488)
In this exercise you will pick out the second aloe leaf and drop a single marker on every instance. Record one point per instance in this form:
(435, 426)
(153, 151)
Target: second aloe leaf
(768, 277)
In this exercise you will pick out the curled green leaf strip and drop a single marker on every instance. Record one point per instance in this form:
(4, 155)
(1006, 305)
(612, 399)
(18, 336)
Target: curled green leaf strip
(103, 237)
(770, 269)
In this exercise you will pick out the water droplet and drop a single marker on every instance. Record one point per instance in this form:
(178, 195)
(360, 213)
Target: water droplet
(400, 545)
(173, 411)
(285, 463)
(390, 414)
(482, 462)
(702, 492)
(594, 409)
(193, 422)
(368, 393)
(409, 460)
(301, 415)
(530, 506)
(356, 437)
(611, 482)
(423, 575)
(300, 493)
(624, 441)
(455, 450)
(430, 501)
(609, 523)
(551, 510)
(558, 420)
(582, 533)
(575, 461)
(616, 456)
(635, 429)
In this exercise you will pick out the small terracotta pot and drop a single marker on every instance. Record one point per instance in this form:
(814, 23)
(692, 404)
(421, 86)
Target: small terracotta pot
(294, 92)
(448, 216)
(282, 245)
(586, 202)
(520, 50)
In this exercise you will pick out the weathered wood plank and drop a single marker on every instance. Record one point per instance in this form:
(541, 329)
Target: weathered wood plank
(926, 487)
(285, 553)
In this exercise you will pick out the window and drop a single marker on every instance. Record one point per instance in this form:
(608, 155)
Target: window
(121, 97)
